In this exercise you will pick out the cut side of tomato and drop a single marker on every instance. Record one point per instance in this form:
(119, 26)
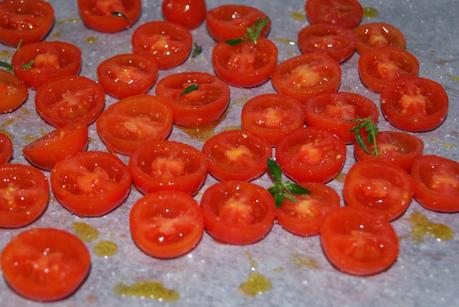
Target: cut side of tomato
(344, 13)
(6, 148)
(378, 35)
(13, 92)
(187, 13)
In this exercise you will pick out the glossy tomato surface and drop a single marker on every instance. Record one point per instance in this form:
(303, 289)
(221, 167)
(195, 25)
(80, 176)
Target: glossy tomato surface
(6, 148)
(378, 35)
(166, 224)
(13, 92)
(168, 166)
(24, 195)
(204, 105)
(344, 13)
(237, 212)
(90, 183)
(357, 242)
(436, 183)
(45, 264)
(188, 13)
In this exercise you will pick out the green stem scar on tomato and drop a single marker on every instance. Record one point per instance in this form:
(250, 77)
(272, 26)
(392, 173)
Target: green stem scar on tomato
(252, 34)
(189, 89)
(372, 131)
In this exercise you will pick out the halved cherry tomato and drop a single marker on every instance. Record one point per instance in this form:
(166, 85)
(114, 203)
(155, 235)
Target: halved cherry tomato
(358, 242)
(245, 64)
(307, 75)
(237, 212)
(109, 15)
(56, 146)
(395, 147)
(414, 104)
(237, 155)
(231, 21)
(436, 183)
(45, 264)
(188, 13)
(13, 92)
(127, 75)
(168, 166)
(378, 35)
(24, 195)
(70, 100)
(335, 41)
(204, 105)
(130, 122)
(38, 63)
(166, 42)
(272, 116)
(25, 21)
(336, 112)
(166, 224)
(305, 216)
(311, 154)
(344, 13)
(382, 187)
(379, 66)
(91, 183)
(6, 148)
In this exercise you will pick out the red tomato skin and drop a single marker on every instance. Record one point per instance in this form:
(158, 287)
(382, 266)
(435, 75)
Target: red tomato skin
(336, 238)
(188, 182)
(327, 200)
(116, 87)
(6, 148)
(275, 133)
(91, 203)
(368, 63)
(150, 204)
(45, 239)
(409, 147)
(94, 19)
(187, 13)
(340, 47)
(57, 145)
(315, 113)
(11, 101)
(181, 36)
(22, 177)
(41, 22)
(69, 57)
(239, 233)
(194, 112)
(436, 107)
(222, 25)
(435, 199)
(318, 11)
(391, 36)
(227, 67)
(303, 170)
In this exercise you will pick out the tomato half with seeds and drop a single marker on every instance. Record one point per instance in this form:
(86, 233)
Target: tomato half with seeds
(414, 104)
(395, 147)
(307, 75)
(188, 13)
(168, 166)
(272, 116)
(344, 13)
(109, 16)
(13, 92)
(380, 66)
(245, 64)
(305, 215)
(337, 112)
(311, 154)
(91, 183)
(237, 212)
(204, 105)
(6, 148)
(130, 122)
(25, 21)
(335, 41)
(231, 21)
(127, 75)
(38, 63)
(45, 264)
(24, 195)
(237, 155)
(357, 242)
(436, 183)
(70, 100)
(166, 224)
(378, 35)
(166, 42)
(57, 145)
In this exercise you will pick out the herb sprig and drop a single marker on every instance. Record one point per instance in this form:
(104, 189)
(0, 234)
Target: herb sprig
(28, 66)
(371, 130)
(189, 89)
(196, 51)
(7, 66)
(252, 33)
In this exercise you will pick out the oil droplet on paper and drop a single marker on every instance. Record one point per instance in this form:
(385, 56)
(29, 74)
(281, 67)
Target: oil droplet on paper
(68, 20)
(278, 269)
(8, 122)
(5, 54)
(29, 138)
(255, 284)
(202, 133)
(57, 34)
(232, 128)
(7, 134)
(85, 232)
(90, 39)
(298, 16)
(341, 177)
(147, 289)
(105, 249)
(454, 77)
(421, 226)
(444, 144)
(370, 12)
(252, 262)
(286, 41)
(304, 262)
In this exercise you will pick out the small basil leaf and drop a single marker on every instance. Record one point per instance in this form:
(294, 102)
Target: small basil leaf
(189, 89)
(196, 51)
(278, 199)
(235, 41)
(296, 188)
(28, 66)
(274, 170)
(6, 65)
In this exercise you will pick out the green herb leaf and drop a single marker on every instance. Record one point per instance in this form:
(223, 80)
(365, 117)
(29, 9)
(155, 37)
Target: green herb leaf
(235, 41)
(7, 66)
(189, 89)
(296, 188)
(196, 51)
(254, 31)
(28, 66)
(278, 199)
(119, 14)
(274, 171)
(371, 130)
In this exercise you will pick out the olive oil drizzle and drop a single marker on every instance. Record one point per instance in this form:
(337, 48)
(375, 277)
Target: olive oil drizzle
(421, 227)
